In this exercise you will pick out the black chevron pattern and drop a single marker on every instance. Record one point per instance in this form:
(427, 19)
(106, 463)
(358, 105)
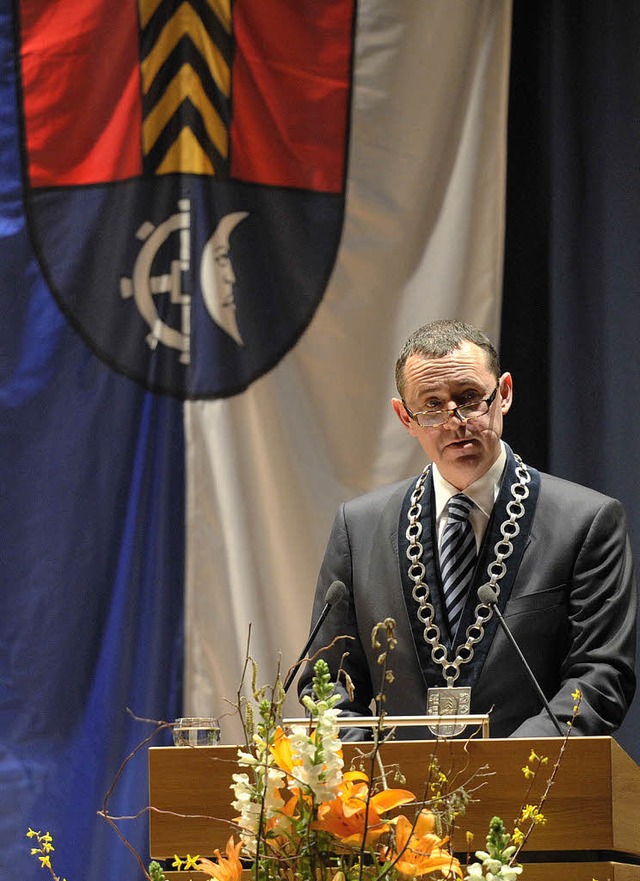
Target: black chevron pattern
(186, 54)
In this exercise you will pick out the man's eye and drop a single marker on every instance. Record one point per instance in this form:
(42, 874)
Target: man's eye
(433, 405)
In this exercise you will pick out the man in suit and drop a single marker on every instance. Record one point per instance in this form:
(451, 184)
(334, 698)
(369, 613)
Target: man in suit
(556, 554)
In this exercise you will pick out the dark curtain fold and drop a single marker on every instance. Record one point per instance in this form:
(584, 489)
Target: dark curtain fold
(571, 312)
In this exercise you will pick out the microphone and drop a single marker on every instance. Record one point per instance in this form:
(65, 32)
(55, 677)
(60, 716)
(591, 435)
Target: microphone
(336, 592)
(488, 596)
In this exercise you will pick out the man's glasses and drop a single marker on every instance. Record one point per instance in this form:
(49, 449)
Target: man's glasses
(434, 418)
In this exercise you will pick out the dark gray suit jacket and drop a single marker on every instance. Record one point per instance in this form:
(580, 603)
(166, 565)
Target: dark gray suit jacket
(569, 598)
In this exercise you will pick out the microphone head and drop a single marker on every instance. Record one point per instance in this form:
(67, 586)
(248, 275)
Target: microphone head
(336, 592)
(487, 595)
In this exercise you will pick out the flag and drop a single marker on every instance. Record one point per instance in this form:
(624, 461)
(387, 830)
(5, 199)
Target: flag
(218, 222)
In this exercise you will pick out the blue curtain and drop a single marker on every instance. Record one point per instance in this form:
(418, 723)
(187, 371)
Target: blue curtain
(91, 561)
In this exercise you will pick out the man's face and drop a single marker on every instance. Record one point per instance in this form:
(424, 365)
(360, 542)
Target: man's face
(463, 451)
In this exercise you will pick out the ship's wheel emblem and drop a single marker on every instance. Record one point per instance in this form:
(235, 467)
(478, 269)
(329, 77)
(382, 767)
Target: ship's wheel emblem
(216, 277)
(143, 286)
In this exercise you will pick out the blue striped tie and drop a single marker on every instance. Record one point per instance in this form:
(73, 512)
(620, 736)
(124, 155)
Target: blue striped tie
(457, 557)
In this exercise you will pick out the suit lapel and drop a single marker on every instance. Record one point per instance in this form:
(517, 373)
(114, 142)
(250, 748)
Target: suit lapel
(470, 672)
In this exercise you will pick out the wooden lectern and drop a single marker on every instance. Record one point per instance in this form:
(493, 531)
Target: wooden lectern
(593, 810)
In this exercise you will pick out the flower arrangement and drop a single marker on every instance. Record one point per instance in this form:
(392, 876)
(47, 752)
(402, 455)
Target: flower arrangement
(303, 816)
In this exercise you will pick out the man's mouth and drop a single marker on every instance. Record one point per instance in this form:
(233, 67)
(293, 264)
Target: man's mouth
(461, 442)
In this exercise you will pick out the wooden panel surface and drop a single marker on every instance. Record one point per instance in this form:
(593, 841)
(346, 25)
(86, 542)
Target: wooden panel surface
(605, 871)
(594, 804)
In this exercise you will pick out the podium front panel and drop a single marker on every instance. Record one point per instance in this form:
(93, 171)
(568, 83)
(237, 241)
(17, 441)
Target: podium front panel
(593, 810)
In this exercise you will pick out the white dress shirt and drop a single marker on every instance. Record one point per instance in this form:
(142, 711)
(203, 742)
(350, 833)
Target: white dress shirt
(483, 492)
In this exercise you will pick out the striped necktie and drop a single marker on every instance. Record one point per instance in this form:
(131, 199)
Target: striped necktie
(457, 557)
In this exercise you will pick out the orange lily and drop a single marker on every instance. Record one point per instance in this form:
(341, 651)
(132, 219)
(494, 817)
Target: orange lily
(282, 752)
(421, 850)
(227, 868)
(346, 816)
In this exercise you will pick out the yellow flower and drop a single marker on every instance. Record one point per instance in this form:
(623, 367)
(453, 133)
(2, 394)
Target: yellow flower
(419, 851)
(177, 862)
(227, 868)
(534, 757)
(190, 862)
(576, 695)
(528, 773)
(31, 833)
(46, 861)
(531, 812)
(517, 837)
(346, 817)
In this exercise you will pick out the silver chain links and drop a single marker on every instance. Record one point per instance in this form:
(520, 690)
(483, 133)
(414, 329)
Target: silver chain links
(496, 570)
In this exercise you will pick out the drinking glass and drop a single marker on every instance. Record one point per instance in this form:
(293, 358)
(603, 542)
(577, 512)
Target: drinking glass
(196, 731)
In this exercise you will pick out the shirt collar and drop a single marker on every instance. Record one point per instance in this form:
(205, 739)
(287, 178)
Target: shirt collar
(483, 491)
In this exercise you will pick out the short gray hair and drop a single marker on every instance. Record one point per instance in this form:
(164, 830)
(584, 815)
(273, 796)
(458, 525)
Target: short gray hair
(440, 338)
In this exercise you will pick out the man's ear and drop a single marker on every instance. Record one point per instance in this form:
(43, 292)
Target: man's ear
(506, 392)
(401, 412)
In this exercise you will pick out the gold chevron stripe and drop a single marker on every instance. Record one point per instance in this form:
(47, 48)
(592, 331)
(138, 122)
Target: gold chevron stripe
(146, 9)
(186, 156)
(185, 21)
(185, 84)
(221, 9)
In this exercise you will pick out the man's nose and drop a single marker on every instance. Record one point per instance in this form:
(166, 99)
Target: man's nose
(454, 413)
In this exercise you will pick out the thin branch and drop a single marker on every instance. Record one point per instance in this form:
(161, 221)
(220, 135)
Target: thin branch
(550, 782)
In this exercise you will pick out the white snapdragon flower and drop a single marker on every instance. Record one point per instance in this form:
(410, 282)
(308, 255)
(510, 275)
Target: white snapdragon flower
(253, 801)
(332, 747)
(273, 801)
(491, 869)
(246, 806)
(247, 760)
(510, 873)
(319, 754)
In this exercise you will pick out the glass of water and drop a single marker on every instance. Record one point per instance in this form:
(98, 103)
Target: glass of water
(196, 731)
